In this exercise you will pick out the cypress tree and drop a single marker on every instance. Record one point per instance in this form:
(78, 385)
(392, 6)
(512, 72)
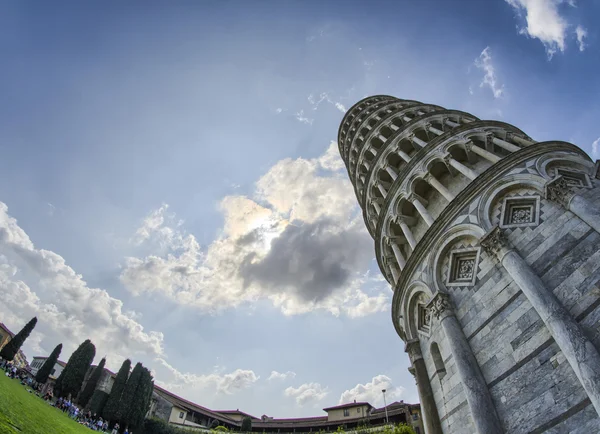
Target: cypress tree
(112, 408)
(44, 372)
(127, 400)
(141, 400)
(91, 385)
(98, 401)
(71, 378)
(11, 349)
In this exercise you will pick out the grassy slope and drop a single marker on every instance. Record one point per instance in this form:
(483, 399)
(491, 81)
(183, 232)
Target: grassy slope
(30, 414)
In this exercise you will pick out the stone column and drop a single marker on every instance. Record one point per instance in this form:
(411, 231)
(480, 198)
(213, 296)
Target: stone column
(397, 253)
(520, 140)
(392, 172)
(470, 147)
(377, 207)
(382, 189)
(407, 232)
(450, 161)
(579, 351)
(434, 130)
(450, 123)
(478, 396)
(559, 190)
(502, 143)
(418, 141)
(441, 188)
(403, 155)
(431, 418)
(421, 209)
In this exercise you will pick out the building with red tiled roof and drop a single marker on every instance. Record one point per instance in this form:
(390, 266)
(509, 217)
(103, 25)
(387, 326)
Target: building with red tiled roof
(183, 413)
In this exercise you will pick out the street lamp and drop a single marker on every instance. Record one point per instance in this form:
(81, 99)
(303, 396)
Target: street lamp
(387, 421)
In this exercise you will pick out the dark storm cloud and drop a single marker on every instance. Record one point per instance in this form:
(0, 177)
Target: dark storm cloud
(311, 261)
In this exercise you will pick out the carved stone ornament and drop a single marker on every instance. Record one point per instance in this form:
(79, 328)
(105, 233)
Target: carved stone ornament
(494, 242)
(489, 140)
(413, 348)
(440, 305)
(559, 190)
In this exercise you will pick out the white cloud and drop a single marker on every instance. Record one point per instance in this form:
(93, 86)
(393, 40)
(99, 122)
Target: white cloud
(226, 384)
(372, 392)
(484, 62)
(68, 310)
(596, 148)
(300, 116)
(281, 376)
(307, 393)
(324, 97)
(299, 242)
(545, 22)
(581, 34)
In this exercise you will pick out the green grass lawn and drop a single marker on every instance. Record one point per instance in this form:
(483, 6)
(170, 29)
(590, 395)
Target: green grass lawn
(23, 412)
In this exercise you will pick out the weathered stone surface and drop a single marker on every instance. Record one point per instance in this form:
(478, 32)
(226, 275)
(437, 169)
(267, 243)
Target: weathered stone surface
(523, 337)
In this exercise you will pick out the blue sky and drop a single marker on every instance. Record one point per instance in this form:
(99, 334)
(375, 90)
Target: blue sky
(171, 188)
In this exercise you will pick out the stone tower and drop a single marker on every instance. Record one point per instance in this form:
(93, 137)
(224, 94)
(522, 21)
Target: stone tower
(491, 243)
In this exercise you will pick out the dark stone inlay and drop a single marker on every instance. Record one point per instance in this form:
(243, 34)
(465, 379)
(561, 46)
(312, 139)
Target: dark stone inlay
(495, 314)
(569, 259)
(522, 363)
(562, 417)
(454, 410)
(527, 334)
(592, 307)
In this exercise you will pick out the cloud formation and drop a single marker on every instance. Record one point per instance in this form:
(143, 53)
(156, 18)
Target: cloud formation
(484, 62)
(298, 242)
(372, 392)
(227, 384)
(581, 34)
(67, 309)
(596, 148)
(280, 376)
(307, 393)
(545, 22)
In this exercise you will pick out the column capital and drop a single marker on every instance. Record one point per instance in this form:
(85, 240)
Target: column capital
(440, 306)
(413, 348)
(495, 243)
(411, 369)
(559, 190)
(447, 159)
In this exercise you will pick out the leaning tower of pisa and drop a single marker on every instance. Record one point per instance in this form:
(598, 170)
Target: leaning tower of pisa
(491, 243)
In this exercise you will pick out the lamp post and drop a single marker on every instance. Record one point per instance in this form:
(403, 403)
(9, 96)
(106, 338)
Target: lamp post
(387, 421)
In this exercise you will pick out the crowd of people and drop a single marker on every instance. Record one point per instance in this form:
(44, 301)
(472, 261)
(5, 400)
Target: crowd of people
(67, 406)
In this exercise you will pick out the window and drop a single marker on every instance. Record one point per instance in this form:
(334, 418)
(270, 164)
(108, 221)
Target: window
(438, 362)
(520, 211)
(423, 318)
(358, 410)
(574, 179)
(181, 415)
(52, 371)
(463, 267)
(346, 412)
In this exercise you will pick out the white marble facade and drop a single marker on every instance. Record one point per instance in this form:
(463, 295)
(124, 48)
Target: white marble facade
(491, 243)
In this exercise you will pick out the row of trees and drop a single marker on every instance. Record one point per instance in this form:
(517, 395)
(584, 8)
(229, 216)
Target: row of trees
(129, 398)
(130, 395)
